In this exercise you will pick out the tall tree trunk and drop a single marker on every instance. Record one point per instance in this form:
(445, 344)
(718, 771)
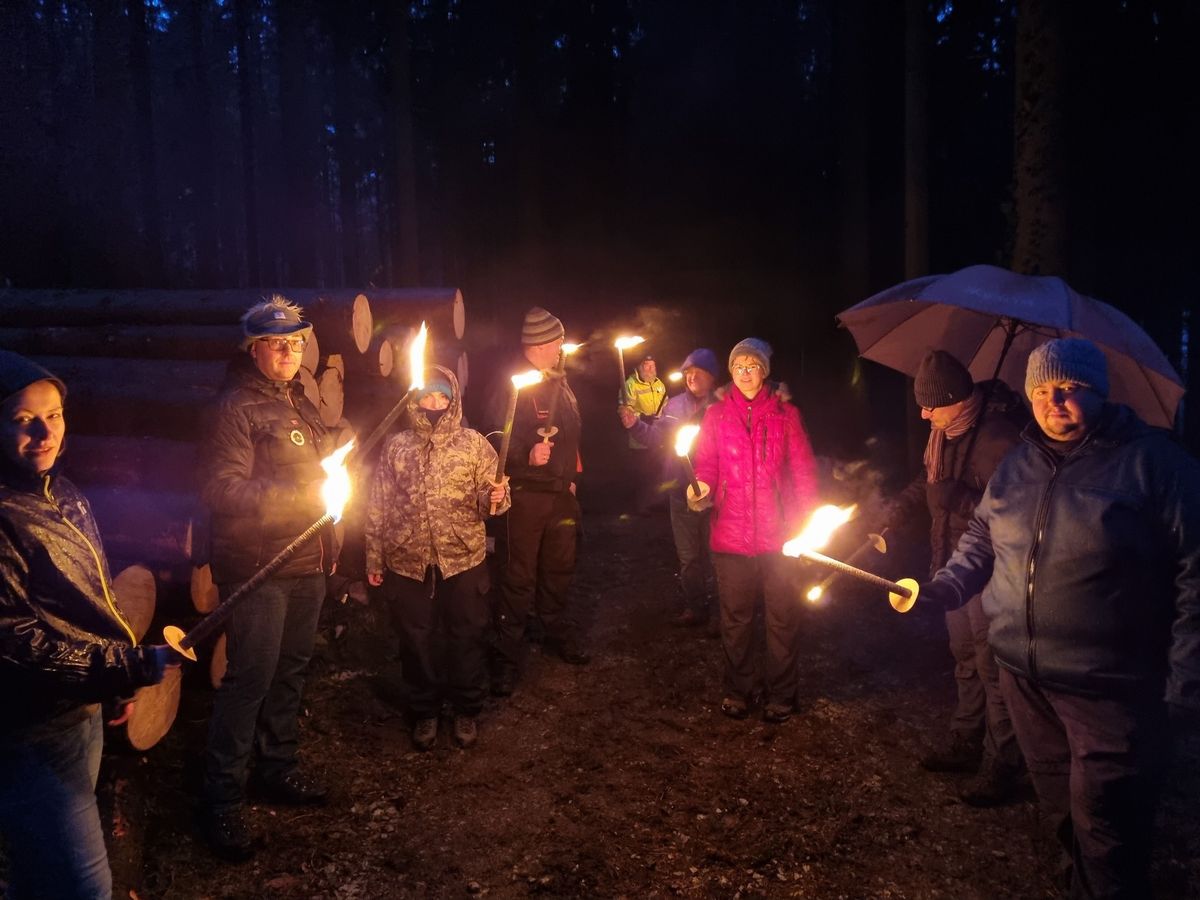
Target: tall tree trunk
(406, 238)
(247, 83)
(344, 143)
(151, 267)
(853, 177)
(916, 139)
(203, 152)
(104, 227)
(1040, 243)
(299, 130)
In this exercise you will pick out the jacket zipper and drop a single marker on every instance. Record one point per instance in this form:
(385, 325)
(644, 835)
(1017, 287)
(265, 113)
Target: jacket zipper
(108, 597)
(1039, 530)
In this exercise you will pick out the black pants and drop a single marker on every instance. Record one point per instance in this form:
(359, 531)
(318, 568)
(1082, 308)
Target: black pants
(740, 579)
(690, 531)
(1097, 765)
(542, 528)
(442, 625)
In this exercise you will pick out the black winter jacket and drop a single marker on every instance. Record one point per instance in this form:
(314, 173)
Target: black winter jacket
(550, 401)
(63, 641)
(1094, 563)
(263, 474)
(968, 461)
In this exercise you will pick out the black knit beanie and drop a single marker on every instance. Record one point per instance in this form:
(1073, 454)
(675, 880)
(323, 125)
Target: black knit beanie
(941, 381)
(18, 373)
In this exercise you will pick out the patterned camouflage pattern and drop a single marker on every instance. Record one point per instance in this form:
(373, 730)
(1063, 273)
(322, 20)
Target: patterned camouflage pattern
(429, 496)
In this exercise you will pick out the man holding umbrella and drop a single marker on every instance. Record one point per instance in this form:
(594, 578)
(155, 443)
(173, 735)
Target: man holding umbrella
(1088, 541)
(970, 431)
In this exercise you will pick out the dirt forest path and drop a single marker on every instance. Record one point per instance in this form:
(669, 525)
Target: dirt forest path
(623, 779)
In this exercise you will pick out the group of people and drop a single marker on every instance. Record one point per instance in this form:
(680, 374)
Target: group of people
(1066, 555)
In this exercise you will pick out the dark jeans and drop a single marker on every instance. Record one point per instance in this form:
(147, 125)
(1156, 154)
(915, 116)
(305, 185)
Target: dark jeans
(48, 812)
(740, 579)
(1097, 765)
(980, 713)
(690, 531)
(270, 640)
(442, 624)
(542, 530)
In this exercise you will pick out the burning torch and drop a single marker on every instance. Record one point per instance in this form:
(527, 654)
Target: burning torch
(525, 379)
(684, 438)
(622, 344)
(335, 492)
(819, 529)
(416, 368)
(874, 542)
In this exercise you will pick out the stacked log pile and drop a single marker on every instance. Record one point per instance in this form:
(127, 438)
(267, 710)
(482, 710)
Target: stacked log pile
(142, 368)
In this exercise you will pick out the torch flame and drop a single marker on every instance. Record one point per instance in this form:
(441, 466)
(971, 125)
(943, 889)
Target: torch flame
(416, 359)
(568, 349)
(624, 343)
(814, 593)
(675, 376)
(525, 379)
(336, 489)
(684, 438)
(819, 529)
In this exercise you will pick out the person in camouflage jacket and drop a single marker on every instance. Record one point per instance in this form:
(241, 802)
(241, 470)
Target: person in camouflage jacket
(425, 547)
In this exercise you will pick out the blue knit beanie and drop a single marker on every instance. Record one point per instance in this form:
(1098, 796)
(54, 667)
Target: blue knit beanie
(435, 383)
(702, 358)
(1068, 359)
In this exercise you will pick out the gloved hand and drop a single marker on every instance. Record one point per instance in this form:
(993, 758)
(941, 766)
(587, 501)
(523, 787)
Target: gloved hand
(938, 593)
(159, 658)
(701, 503)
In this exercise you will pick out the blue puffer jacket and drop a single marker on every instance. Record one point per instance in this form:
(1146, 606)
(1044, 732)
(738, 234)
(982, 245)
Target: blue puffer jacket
(1094, 562)
(63, 642)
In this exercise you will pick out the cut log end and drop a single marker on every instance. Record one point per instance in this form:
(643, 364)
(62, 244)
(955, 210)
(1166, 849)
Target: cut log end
(136, 596)
(154, 710)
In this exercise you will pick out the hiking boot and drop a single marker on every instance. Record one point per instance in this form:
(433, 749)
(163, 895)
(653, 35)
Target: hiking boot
(568, 651)
(958, 754)
(466, 731)
(504, 681)
(424, 733)
(227, 834)
(995, 785)
(294, 788)
(735, 707)
(689, 618)
(777, 713)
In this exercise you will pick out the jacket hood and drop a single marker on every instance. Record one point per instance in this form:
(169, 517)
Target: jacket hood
(450, 419)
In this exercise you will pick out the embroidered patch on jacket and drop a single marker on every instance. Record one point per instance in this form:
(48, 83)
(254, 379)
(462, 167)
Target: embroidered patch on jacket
(297, 437)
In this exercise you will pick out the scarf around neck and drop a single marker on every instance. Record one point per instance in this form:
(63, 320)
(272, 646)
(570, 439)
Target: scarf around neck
(959, 425)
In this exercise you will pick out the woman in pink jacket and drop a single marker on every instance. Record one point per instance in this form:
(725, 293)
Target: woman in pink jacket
(755, 461)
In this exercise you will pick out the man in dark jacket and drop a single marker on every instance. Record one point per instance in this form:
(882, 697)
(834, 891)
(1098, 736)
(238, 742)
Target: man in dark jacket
(971, 428)
(1090, 535)
(541, 528)
(64, 649)
(262, 488)
(689, 529)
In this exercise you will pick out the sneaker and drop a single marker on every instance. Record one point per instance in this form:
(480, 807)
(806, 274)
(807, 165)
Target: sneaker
(777, 713)
(958, 754)
(294, 788)
(466, 731)
(227, 834)
(569, 651)
(424, 733)
(735, 707)
(504, 681)
(995, 785)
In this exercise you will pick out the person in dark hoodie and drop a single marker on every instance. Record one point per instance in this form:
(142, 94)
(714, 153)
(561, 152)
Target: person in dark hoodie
(1088, 541)
(426, 550)
(65, 648)
(971, 428)
(262, 488)
(542, 527)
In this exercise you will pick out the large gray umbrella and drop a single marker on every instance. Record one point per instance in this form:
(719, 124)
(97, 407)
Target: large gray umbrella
(988, 317)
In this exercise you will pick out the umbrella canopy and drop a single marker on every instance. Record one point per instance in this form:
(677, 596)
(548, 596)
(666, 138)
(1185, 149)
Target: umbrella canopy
(985, 315)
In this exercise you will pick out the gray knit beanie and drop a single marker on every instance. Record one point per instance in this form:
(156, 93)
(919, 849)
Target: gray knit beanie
(759, 349)
(540, 327)
(941, 381)
(18, 373)
(1068, 359)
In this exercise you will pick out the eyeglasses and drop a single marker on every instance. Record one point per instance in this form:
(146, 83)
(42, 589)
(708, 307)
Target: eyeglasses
(296, 345)
(747, 370)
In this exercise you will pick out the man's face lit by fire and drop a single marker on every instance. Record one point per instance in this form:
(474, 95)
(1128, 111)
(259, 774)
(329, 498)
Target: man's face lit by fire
(648, 370)
(543, 356)
(699, 382)
(942, 416)
(281, 364)
(1065, 410)
(748, 375)
(32, 427)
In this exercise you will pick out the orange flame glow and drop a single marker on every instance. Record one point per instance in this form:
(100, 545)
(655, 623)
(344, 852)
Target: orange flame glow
(416, 359)
(819, 528)
(684, 438)
(525, 379)
(625, 343)
(335, 492)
